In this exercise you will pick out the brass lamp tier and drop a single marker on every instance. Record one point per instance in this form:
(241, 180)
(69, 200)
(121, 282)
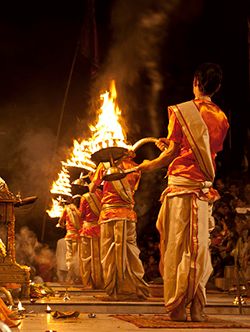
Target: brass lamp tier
(111, 154)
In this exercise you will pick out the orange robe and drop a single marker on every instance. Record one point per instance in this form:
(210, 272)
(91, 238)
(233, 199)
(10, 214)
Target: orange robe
(72, 221)
(183, 220)
(122, 268)
(5, 315)
(121, 209)
(185, 164)
(90, 261)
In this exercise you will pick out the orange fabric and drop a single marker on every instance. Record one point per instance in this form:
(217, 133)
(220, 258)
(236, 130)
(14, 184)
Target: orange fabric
(111, 196)
(185, 164)
(72, 231)
(211, 196)
(5, 314)
(87, 215)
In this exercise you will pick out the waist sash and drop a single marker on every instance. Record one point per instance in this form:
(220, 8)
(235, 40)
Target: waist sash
(184, 182)
(115, 206)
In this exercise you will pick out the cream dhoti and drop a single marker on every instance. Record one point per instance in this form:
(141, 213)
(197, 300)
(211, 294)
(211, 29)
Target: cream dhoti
(122, 269)
(183, 223)
(91, 270)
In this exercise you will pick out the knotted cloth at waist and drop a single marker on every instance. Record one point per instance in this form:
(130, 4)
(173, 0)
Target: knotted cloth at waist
(87, 224)
(188, 183)
(72, 232)
(178, 185)
(115, 206)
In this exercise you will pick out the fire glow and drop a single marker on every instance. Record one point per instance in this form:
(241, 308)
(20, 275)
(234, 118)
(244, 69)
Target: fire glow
(81, 156)
(62, 184)
(48, 309)
(60, 187)
(56, 209)
(20, 307)
(106, 132)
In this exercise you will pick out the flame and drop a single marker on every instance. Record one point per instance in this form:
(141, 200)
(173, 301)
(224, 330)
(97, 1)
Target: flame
(57, 209)
(62, 184)
(20, 306)
(81, 156)
(48, 309)
(108, 130)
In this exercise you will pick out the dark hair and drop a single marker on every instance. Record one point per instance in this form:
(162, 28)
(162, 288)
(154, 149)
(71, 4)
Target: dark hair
(209, 77)
(76, 200)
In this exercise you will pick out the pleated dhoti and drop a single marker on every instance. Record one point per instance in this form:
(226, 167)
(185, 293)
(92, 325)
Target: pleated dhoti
(185, 258)
(122, 268)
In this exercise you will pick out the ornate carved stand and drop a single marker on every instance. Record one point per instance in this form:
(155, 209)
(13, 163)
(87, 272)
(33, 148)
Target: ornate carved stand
(10, 270)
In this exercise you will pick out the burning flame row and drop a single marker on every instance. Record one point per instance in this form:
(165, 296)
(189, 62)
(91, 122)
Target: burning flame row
(106, 132)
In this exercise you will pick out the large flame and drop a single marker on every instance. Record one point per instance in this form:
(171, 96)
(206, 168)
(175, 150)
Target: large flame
(81, 156)
(57, 209)
(108, 130)
(62, 185)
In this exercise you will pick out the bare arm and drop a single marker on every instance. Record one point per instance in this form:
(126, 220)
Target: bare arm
(163, 160)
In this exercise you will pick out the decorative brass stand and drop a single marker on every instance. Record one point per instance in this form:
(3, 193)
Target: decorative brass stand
(10, 270)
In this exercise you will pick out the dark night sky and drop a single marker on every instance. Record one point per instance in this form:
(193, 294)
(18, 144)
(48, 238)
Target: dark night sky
(142, 44)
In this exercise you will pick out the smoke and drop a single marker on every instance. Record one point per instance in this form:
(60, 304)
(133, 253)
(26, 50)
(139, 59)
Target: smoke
(27, 145)
(30, 252)
(139, 31)
(135, 61)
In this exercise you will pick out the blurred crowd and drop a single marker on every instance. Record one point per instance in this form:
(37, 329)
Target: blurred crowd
(230, 237)
(229, 240)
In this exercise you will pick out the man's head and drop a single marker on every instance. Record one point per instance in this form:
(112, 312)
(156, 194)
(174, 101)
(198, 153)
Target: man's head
(207, 78)
(130, 154)
(76, 200)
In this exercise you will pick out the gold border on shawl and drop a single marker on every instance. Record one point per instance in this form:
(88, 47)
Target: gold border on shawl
(190, 119)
